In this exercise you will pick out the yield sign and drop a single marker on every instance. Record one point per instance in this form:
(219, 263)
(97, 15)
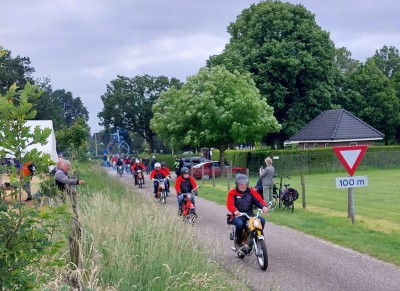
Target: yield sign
(350, 156)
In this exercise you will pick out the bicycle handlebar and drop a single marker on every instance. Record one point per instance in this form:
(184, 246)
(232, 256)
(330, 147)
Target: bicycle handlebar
(259, 210)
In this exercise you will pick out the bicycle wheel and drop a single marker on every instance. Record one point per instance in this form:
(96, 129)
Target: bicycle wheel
(261, 253)
(280, 198)
(164, 196)
(272, 204)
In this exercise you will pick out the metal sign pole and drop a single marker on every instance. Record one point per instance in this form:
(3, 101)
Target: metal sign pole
(351, 204)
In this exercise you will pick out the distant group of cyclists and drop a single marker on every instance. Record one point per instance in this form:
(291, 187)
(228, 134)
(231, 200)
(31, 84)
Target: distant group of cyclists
(185, 185)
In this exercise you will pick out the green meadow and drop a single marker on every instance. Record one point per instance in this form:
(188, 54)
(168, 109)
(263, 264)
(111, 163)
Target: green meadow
(376, 230)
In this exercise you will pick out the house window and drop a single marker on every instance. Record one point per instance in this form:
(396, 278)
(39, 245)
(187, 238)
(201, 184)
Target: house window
(353, 143)
(327, 145)
(305, 146)
(315, 145)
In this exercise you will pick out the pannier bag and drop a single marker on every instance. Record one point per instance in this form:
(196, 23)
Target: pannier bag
(286, 196)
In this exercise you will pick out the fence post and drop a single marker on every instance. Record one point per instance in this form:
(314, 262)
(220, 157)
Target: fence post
(202, 174)
(213, 175)
(228, 177)
(303, 191)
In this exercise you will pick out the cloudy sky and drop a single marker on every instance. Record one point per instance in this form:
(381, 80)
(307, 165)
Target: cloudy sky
(84, 44)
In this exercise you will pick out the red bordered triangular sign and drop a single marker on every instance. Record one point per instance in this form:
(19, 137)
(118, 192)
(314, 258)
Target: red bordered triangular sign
(350, 156)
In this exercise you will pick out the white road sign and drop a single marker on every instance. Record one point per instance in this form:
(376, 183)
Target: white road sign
(350, 182)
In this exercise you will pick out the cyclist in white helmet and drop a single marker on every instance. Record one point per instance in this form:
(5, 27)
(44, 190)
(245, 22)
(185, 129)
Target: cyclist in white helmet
(157, 173)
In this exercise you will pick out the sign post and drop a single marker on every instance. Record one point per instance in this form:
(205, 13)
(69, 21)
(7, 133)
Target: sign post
(350, 157)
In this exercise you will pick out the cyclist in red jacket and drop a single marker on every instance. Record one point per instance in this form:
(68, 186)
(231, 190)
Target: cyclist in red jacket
(185, 184)
(157, 173)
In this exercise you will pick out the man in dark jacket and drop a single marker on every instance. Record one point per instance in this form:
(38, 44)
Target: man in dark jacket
(241, 199)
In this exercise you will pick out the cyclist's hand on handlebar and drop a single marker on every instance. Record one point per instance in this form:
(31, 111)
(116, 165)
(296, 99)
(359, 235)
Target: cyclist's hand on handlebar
(265, 209)
(236, 213)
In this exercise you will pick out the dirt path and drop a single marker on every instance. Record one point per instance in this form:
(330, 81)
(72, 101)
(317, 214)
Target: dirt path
(296, 261)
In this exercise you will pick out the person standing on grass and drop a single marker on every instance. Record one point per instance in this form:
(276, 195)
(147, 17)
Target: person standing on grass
(62, 177)
(266, 176)
(27, 170)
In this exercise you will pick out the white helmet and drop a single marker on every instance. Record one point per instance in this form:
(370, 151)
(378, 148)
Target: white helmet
(157, 165)
(137, 161)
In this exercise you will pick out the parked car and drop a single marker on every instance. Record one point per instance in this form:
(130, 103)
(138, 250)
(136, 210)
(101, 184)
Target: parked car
(189, 161)
(197, 171)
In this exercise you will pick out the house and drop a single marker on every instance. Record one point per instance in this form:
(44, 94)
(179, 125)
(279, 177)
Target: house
(335, 128)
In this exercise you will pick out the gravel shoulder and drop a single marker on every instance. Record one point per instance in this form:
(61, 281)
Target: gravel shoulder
(296, 261)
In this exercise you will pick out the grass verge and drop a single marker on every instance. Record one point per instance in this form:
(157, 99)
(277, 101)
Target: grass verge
(376, 231)
(133, 244)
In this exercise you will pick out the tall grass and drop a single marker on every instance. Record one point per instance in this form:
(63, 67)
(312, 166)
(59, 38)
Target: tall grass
(377, 228)
(132, 243)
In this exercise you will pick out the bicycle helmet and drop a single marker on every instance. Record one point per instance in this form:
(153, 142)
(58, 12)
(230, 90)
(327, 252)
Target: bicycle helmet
(185, 170)
(241, 179)
(157, 165)
(137, 161)
(163, 164)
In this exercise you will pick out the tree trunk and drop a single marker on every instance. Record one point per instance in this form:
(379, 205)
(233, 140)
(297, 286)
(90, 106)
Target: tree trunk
(222, 160)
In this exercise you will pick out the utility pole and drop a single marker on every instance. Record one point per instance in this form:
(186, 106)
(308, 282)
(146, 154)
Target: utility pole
(95, 141)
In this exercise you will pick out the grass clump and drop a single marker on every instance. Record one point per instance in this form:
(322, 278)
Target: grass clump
(132, 243)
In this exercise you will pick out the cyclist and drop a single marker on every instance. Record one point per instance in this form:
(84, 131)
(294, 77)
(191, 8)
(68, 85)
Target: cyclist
(135, 167)
(241, 199)
(165, 168)
(157, 173)
(184, 184)
(120, 163)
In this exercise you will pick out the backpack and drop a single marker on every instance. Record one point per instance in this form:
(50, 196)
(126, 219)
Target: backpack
(286, 196)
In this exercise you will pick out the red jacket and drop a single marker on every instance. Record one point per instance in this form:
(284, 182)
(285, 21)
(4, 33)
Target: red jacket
(166, 170)
(135, 165)
(179, 181)
(255, 198)
(161, 174)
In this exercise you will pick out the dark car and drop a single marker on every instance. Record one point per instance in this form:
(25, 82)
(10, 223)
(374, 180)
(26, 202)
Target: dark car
(197, 170)
(191, 161)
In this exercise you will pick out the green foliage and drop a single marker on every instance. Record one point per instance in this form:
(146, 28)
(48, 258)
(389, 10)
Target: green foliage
(74, 139)
(225, 108)
(14, 70)
(22, 258)
(291, 59)
(25, 234)
(388, 60)
(368, 94)
(296, 161)
(128, 102)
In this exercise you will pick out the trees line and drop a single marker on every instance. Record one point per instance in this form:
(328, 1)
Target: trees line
(293, 63)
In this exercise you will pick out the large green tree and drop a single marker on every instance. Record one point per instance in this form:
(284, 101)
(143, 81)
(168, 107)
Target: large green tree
(290, 57)
(388, 60)
(128, 102)
(72, 107)
(14, 70)
(369, 95)
(47, 107)
(215, 108)
(73, 138)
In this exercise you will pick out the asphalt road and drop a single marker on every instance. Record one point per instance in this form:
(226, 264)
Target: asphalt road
(296, 261)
